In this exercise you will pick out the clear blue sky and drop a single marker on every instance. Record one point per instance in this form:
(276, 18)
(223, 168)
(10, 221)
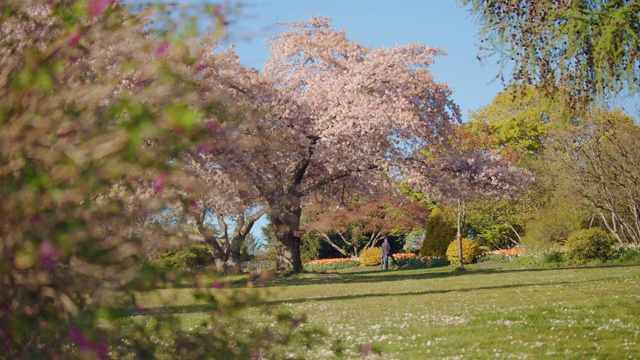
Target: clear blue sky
(378, 23)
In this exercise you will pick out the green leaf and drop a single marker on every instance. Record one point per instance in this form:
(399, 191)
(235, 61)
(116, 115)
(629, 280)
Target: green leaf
(182, 116)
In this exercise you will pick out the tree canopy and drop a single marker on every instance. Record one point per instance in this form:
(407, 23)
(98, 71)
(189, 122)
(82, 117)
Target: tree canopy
(327, 109)
(583, 50)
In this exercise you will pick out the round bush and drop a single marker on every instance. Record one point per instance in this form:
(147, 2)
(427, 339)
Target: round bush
(370, 256)
(470, 249)
(191, 256)
(588, 244)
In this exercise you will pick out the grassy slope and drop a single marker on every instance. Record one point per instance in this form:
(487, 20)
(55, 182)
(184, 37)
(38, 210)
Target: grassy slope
(483, 312)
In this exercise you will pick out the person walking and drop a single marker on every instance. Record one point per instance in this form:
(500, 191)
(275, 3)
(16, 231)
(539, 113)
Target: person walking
(386, 254)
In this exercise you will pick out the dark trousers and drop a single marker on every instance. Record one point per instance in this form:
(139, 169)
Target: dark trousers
(384, 264)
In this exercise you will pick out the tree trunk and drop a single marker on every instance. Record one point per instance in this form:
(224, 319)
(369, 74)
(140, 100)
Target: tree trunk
(225, 249)
(232, 265)
(285, 216)
(327, 239)
(288, 252)
(461, 219)
(225, 260)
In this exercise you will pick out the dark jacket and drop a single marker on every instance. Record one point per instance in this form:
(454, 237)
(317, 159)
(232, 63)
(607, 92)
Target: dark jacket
(386, 248)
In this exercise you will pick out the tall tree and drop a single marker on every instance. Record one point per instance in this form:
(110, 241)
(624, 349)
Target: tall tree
(466, 173)
(583, 50)
(602, 155)
(517, 127)
(235, 209)
(329, 109)
(439, 231)
(514, 126)
(226, 246)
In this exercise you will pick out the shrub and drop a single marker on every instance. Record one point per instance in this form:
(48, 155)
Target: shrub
(628, 254)
(93, 125)
(434, 261)
(552, 226)
(188, 257)
(370, 256)
(411, 263)
(552, 256)
(438, 233)
(470, 249)
(588, 244)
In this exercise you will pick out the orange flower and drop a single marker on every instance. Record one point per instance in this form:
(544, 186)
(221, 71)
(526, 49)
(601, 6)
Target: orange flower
(327, 261)
(505, 252)
(399, 256)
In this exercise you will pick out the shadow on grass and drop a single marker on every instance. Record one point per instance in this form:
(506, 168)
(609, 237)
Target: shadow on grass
(186, 309)
(169, 310)
(379, 276)
(365, 276)
(425, 292)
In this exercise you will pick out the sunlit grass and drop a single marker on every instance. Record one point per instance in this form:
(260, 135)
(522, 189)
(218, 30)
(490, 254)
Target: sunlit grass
(486, 311)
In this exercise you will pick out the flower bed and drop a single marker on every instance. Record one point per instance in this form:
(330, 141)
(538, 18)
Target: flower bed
(505, 252)
(331, 264)
(400, 256)
(503, 255)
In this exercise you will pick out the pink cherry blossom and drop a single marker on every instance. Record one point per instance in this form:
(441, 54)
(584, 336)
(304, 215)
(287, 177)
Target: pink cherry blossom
(325, 110)
(97, 7)
(75, 38)
(158, 182)
(162, 49)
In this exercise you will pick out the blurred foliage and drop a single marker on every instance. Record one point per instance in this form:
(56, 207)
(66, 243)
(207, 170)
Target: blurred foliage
(96, 107)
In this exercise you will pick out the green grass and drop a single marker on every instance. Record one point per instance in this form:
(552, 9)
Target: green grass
(489, 310)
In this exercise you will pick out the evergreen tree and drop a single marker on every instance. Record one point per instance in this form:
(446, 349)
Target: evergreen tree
(440, 230)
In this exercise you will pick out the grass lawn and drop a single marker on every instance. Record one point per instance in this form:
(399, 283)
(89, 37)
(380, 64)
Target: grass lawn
(486, 311)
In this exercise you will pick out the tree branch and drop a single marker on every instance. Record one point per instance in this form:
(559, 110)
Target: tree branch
(332, 178)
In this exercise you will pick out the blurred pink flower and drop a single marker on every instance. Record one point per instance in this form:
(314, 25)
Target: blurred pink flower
(202, 66)
(78, 336)
(162, 49)
(366, 351)
(193, 203)
(205, 147)
(48, 254)
(214, 126)
(158, 182)
(75, 38)
(97, 7)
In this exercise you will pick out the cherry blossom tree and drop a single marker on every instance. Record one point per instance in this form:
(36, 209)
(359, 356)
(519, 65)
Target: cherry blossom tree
(327, 109)
(465, 173)
(234, 207)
